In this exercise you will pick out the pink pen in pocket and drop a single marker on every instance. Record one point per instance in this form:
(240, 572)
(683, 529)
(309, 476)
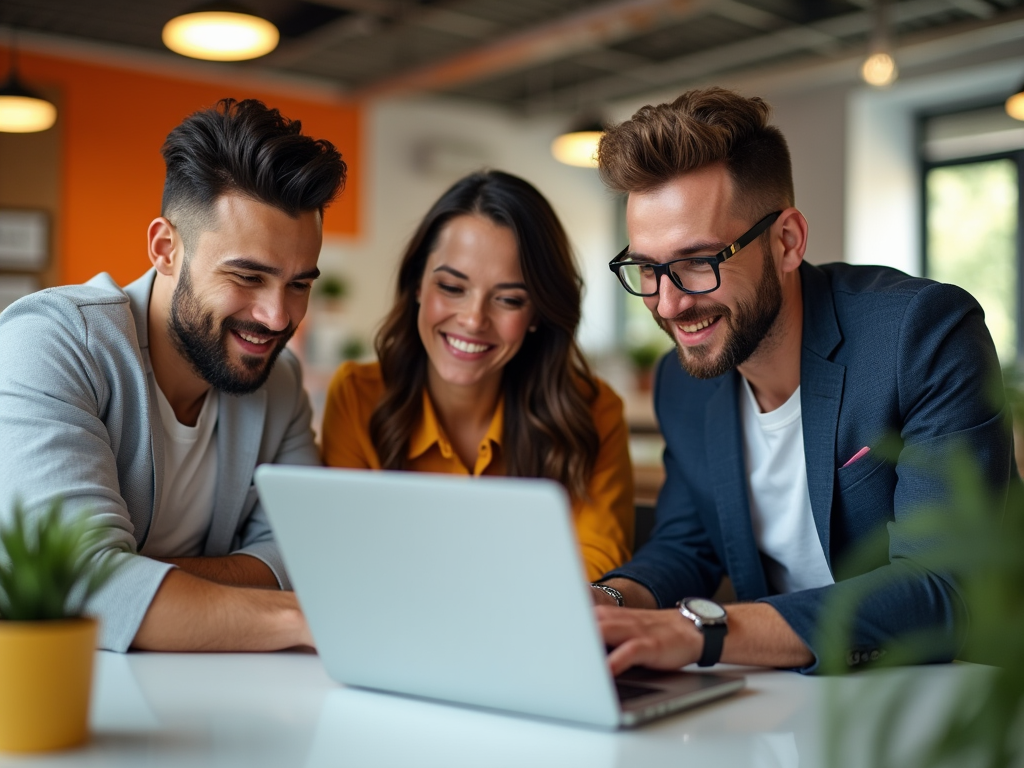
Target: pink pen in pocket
(856, 457)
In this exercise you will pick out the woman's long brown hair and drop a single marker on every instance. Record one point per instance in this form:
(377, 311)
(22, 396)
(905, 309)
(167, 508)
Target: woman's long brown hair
(548, 387)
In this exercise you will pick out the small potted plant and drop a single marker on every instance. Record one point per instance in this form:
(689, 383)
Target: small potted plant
(352, 348)
(643, 358)
(49, 568)
(332, 289)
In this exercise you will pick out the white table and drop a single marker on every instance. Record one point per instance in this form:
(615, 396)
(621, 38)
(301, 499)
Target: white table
(282, 710)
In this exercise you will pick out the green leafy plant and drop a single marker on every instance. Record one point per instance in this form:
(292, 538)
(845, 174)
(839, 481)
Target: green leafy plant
(332, 287)
(49, 565)
(352, 348)
(967, 540)
(645, 356)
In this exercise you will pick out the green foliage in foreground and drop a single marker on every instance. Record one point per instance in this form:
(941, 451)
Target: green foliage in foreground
(49, 565)
(970, 542)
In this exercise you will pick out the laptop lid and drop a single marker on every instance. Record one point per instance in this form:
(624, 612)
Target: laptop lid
(468, 590)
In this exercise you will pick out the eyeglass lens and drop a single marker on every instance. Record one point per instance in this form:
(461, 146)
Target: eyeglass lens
(694, 275)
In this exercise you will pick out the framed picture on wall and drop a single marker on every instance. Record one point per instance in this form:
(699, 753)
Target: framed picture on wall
(23, 239)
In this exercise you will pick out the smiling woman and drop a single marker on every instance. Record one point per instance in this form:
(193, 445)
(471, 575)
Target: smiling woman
(479, 371)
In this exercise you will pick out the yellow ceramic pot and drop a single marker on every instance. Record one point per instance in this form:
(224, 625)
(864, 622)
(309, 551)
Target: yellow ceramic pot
(46, 674)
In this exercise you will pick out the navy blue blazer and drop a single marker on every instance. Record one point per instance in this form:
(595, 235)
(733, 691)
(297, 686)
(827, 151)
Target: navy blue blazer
(883, 353)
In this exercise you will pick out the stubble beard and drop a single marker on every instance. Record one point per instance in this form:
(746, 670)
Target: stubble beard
(191, 329)
(747, 329)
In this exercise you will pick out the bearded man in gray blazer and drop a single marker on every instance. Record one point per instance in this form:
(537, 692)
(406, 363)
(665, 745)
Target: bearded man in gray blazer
(151, 406)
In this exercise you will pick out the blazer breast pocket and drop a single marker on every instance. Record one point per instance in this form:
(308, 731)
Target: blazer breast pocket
(863, 499)
(848, 477)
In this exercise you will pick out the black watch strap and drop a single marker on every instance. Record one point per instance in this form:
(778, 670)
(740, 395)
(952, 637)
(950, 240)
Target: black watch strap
(714, 638)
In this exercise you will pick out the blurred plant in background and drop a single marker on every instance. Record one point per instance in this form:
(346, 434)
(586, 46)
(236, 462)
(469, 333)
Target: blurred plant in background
(332, 287)
(352, 348)
(983, 550)
(643, 357)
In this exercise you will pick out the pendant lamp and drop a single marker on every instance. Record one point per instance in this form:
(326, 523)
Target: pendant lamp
(578, 145)
(1015, 104)
(879, 68)
(21, 109)
(220, 32)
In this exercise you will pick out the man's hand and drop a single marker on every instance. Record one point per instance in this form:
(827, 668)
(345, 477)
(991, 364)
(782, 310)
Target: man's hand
(665, 639)
(655, 639)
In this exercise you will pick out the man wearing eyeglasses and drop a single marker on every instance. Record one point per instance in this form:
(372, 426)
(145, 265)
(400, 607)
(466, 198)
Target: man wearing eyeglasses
(786, 377)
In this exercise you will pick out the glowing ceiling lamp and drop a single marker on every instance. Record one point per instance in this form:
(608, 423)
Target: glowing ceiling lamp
(220, 33)
(578, 146)
(879, 68)
(1015, 104)
(23, 110)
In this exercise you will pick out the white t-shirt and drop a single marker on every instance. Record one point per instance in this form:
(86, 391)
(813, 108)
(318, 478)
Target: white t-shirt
(190, 481)
(780, 504)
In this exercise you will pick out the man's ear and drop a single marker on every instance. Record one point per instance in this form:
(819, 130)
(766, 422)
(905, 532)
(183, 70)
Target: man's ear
(792, 228)
(166, 250)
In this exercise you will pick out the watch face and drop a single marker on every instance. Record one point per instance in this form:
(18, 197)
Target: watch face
(706, 609)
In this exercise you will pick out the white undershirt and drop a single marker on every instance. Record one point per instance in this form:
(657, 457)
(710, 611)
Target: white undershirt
(190, 480)
(780, 504)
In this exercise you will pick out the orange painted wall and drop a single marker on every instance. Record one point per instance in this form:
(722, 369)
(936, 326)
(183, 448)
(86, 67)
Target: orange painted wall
(113, 122)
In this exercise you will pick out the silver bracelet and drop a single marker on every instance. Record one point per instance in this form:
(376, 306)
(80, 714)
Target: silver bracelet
(612, 592)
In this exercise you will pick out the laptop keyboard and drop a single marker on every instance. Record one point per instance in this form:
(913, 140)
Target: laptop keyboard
(628, 692)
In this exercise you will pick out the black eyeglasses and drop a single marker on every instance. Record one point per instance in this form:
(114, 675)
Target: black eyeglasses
(693, 274)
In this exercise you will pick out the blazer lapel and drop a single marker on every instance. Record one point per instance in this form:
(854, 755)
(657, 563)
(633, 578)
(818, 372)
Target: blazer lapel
(724, 438)
(821, 394)
(239, 433)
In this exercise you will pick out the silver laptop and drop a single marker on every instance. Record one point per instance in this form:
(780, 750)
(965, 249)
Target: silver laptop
(463, 590)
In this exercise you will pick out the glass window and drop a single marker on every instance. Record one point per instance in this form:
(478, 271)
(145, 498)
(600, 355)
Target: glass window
(972, 163)
(971, 240)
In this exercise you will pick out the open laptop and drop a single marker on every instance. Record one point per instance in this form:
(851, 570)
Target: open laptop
(465, 590)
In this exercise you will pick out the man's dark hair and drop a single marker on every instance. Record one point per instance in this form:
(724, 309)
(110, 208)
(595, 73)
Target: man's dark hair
(245, 148)
(702, 127)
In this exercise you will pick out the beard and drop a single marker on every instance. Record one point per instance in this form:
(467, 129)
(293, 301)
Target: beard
(746, 328)
(193, 334)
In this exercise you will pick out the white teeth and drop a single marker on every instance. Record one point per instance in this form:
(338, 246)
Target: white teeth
(697, 326)
(466, 346)
(252, 339)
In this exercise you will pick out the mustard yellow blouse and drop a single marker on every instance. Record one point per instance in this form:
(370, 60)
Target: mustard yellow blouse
(604, 523)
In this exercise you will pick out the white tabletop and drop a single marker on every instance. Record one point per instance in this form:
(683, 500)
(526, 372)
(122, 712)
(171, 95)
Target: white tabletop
(282, 710)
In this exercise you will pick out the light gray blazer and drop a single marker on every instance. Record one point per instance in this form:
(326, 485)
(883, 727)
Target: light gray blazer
(79, 420)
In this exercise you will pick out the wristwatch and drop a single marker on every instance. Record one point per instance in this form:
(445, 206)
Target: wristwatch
(710, 619)
(611, 592)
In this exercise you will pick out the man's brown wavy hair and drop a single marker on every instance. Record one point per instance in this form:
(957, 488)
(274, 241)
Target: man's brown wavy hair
(548, 387)
(700, 128)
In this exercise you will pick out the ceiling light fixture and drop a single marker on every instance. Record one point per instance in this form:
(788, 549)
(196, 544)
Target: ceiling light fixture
(879, 68)
(220, 32)
(1015, 104)
(578, 146)
(22, 110)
